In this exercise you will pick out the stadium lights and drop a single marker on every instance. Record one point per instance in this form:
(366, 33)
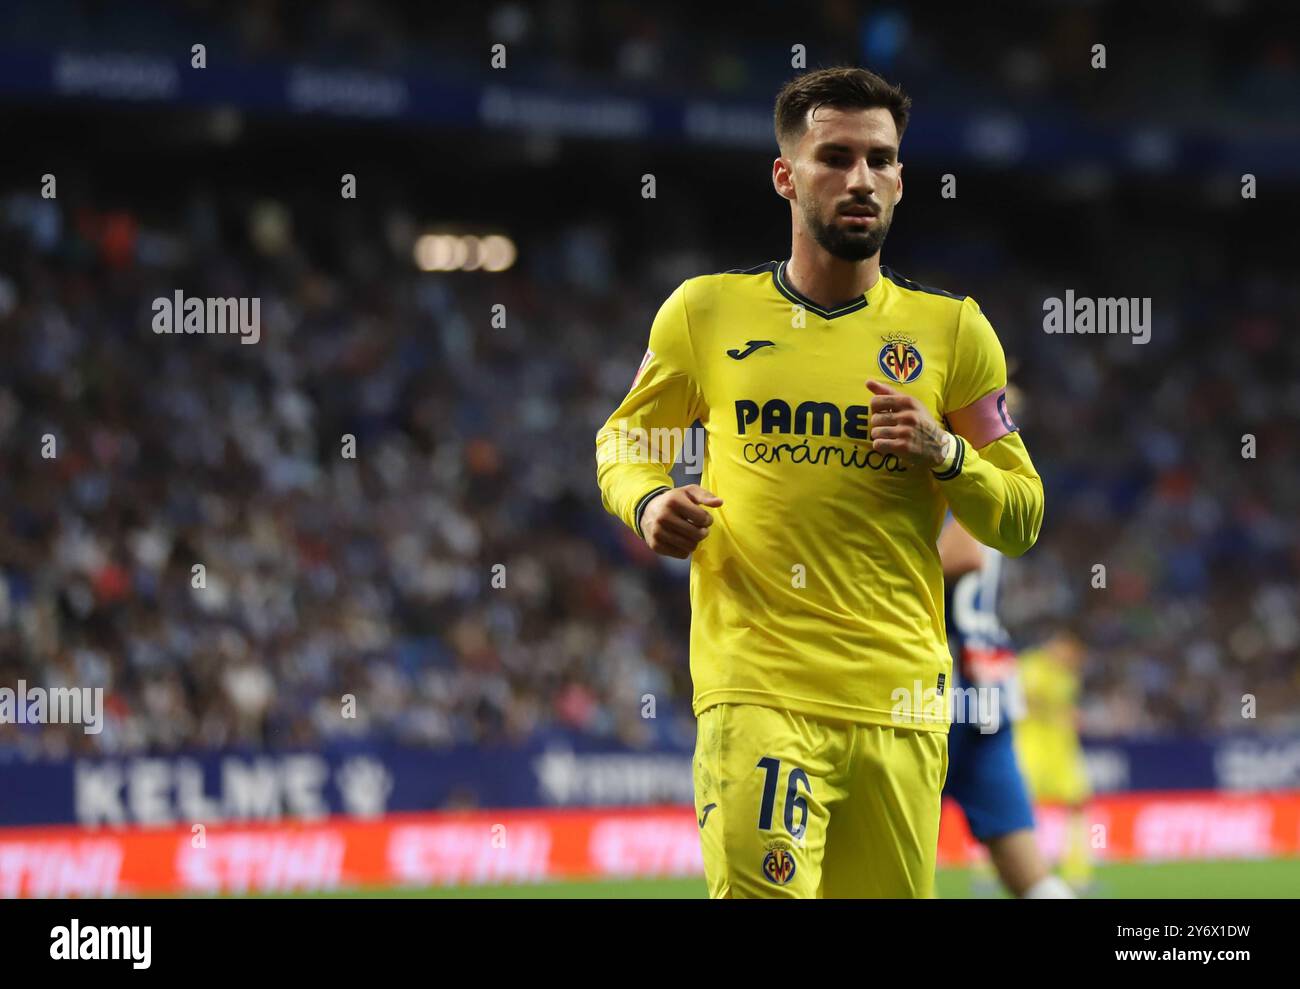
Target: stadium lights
(455, 252)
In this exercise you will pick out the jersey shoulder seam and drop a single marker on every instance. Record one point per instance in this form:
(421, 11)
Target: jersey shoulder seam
(758, 269)
(903, 282)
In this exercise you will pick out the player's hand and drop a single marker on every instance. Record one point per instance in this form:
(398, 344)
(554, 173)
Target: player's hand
(675, 522)
(903, 426)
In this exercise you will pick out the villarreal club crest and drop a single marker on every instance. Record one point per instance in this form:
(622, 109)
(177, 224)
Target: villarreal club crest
(899, 359)
(778, 864)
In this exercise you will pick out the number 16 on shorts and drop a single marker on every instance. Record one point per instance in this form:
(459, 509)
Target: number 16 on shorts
(779, 864)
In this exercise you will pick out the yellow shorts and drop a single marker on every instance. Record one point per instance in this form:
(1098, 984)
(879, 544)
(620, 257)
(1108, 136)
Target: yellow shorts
(1051, 760)
(795, 806)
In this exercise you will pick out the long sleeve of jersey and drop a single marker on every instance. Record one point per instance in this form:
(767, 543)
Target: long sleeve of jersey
(640, 442)
(991, 484)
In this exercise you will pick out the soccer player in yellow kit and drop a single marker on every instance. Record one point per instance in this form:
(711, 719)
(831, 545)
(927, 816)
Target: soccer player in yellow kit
(1048, 746)
(846, 408)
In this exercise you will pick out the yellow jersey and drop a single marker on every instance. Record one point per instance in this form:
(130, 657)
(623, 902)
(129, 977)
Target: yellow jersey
(1047, 738)
(819, 589)
(1051, 691)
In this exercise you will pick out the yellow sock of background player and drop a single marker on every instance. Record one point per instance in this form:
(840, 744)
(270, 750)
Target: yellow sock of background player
(1076, 858)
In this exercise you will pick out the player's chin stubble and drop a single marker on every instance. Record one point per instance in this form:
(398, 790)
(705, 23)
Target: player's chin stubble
(845, 244)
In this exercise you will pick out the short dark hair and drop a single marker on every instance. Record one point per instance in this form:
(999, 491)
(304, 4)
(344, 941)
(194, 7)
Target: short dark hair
(845, 88)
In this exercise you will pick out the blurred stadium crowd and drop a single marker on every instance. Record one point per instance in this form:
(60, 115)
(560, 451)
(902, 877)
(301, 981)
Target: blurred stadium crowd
(328, 575)
(1209, 60)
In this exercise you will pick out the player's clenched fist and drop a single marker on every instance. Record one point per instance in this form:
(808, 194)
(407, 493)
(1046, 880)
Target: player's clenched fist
(675, 522)
(903, 426)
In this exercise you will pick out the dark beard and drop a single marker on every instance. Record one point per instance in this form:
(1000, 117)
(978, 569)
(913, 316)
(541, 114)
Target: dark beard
(846, 246)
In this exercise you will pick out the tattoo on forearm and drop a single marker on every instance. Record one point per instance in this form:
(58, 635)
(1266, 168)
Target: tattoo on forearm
(934, 442)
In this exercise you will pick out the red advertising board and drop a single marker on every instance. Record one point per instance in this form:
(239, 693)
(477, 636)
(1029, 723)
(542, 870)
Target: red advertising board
(482, 847)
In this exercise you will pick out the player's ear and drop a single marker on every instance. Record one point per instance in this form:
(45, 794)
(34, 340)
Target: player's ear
(783, 178)
(899, 198)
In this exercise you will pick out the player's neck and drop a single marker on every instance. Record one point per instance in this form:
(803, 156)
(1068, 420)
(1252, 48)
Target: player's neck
(827, 280)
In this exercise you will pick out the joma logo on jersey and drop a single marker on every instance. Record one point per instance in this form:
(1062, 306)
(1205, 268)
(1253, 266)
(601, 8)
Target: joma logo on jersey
(900, 360)
(805, 419)
(778, 865)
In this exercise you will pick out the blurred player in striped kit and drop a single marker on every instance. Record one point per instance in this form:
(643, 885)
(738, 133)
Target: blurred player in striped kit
(983, 777)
